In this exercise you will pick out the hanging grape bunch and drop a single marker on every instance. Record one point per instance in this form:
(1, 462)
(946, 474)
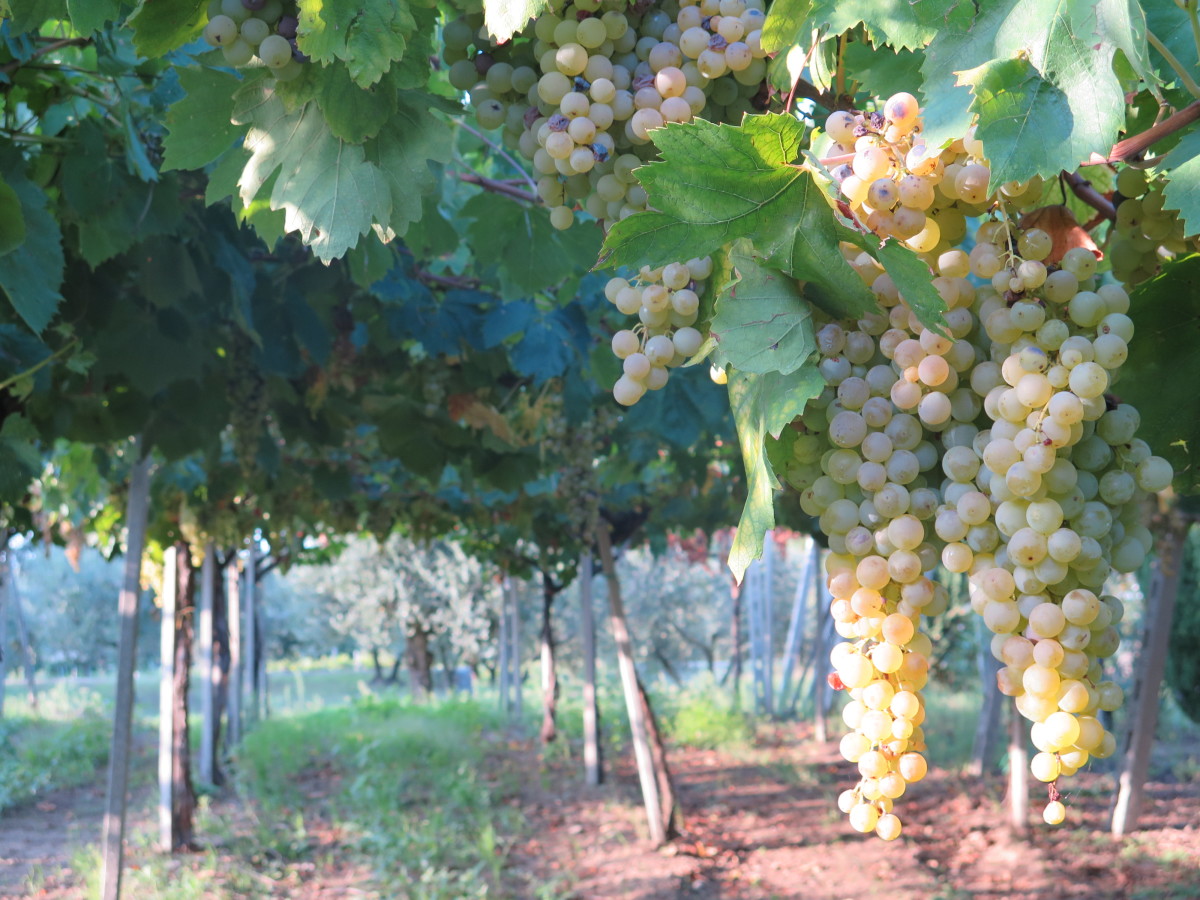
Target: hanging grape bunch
(265, 30)
(993, 446)
(1145, 233)
(579, 96)
(666, 301)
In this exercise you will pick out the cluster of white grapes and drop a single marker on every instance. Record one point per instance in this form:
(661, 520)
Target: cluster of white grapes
(992, 446)
(1145, 233)
(580, 94)
(666, 301)
(262, 29)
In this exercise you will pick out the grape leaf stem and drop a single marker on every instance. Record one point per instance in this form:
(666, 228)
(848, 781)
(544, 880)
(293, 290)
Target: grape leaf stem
(503, 153)
(1134, 146)
(9, 68)
(13, 379)
(1082, 188)
(498, 187)
(1184, 77)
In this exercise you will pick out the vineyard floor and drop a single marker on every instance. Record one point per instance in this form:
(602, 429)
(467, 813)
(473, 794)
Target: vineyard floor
(759, 823)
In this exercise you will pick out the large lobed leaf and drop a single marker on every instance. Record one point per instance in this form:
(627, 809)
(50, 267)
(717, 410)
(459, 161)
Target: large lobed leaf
(1182, 192)
(328, 190)
(1041, 73)
(718, 183)
(906, 24)
(199, 124)
(787, 25)
(32, 275)
(504, 18)
(763, 405)
(160, 26)
(367, 35)
(762, 323)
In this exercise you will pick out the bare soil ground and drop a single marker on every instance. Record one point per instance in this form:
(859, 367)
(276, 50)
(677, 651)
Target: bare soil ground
(758, 823)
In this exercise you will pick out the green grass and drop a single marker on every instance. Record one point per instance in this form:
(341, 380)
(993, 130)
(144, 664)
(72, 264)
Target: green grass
(60, 746)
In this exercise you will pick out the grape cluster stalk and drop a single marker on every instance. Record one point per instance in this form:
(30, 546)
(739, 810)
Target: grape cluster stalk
(992, 444)
(257, 31)
(578, 94)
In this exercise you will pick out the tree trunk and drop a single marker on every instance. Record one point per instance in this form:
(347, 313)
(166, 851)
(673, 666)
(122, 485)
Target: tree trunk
(29, 663)
(393, 677)
(166, 698)
(183, 794)
(233, 610)
(667, 667)
(377, 678)
(222, 660)
(593, 761)
(514, 656)
(113, 841)
(208, 671)
(1151, 662)
(1018, 773)
(420, 675)
(638, 726)
(667, 804)
(549, 671)
(502, 666)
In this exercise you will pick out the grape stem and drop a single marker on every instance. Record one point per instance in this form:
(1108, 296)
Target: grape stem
(1082, 188)
(13, 379)
(498, 187)
(9, 68)
(503, 153)
(1185, 77)
(1134, 146)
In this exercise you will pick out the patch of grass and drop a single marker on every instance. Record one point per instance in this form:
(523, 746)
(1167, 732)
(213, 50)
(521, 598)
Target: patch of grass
(705, 718)
(50, 751)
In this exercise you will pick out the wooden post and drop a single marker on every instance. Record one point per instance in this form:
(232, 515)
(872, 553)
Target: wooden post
(822, 693)
(592, 763)
(1018, 773)
(29, 663)
(166, 698)
(1151, 663)
(767, 627)
(505, 676)
(752, 593)
(629, 684)
(251, 635)
(113, 842)
(208, 723)
(796, 627)
(233, 610)
(989, 714)
(514, 653)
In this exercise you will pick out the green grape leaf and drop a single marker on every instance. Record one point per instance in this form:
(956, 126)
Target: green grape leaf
(1182, 192)
(762, 323)
(91, 15)
(32, 278)
(30, 15)
(199, 126)
(1166, 351)
(403, 150)
(504, 18)
(787, 25)
(12, 220)
(907, 24)
(717, 183)
(528, 253)
(763, 405)
(1043, 81)
(912, 277)
(20, 458)
(883, 70)
(159, 27)
(353, 113)
(368, 35)
(331, 193)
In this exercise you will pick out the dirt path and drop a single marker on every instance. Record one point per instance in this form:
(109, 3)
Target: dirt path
(762, 824)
